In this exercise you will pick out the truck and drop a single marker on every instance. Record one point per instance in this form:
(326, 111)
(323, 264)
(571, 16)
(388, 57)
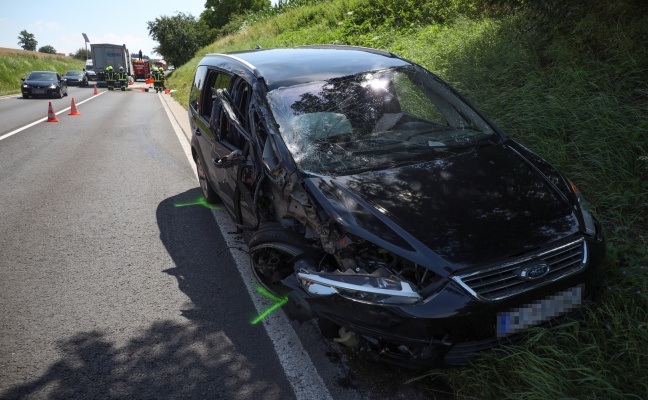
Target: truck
(141, 69)
(115, 55)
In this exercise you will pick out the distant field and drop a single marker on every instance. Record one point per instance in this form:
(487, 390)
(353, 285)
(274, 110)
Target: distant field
(5, 51)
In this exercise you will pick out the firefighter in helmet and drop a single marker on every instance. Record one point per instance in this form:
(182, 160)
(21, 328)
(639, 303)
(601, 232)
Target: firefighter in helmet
(122, 77)
(156, 79)
(162, 78)
(110, 77)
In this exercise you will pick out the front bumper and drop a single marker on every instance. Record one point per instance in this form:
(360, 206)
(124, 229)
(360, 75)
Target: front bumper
(449, 328)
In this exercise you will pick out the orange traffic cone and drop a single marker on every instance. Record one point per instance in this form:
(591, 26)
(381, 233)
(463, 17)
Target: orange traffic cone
(73, 109)
(96, 91)
(51, 117)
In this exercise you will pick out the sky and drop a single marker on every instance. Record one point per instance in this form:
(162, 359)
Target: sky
(60, 24)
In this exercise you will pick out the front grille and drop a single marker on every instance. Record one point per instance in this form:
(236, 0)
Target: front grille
(504, 280)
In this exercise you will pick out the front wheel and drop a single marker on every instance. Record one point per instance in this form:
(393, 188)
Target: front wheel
(205, 186)
(273, 250)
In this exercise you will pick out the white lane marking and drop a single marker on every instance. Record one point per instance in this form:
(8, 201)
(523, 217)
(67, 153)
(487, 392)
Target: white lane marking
(300, 371)
(6, 135)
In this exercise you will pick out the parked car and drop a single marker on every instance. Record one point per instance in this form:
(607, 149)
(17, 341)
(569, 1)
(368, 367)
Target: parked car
(44, 83)
(76, 77)
(386, 206)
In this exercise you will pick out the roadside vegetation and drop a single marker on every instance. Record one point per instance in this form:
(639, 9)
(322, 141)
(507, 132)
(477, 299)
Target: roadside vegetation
(16, 64)
(569, 79)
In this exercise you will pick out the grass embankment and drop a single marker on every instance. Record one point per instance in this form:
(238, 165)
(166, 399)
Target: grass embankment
(16, 64)
(570, 82)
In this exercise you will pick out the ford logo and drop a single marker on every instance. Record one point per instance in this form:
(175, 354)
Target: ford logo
(534, 272)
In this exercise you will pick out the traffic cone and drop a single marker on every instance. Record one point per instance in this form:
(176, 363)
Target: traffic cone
(51, 117)
(73, 110)
(96, 91)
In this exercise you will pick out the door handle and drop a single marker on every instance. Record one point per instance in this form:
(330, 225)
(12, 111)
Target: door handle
(197, 132)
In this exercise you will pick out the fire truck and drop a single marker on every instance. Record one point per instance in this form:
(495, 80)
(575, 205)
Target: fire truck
(141, 69)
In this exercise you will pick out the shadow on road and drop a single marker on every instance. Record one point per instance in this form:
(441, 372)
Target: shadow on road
(216, 353)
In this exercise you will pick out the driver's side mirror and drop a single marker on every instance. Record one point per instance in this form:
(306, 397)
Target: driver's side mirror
(22, 79)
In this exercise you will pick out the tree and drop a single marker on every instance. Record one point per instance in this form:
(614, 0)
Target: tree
(219, 12)
(47, 49)
(179, 37)
(26, 40)
(81, 54)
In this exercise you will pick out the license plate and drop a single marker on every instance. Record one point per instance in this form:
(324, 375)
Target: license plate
(520, 318)
(39, 91)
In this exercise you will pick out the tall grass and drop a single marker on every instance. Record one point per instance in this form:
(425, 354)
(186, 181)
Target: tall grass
(573, 90)
(16, 66)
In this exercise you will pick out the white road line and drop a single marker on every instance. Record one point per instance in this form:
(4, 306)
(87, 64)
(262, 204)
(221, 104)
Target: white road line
(6, 135)
(300, 371)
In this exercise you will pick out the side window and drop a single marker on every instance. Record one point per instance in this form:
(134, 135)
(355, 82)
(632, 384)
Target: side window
(241, 94)
(215, 80)
(196, 87)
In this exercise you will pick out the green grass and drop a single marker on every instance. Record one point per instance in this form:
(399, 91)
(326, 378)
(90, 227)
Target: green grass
(16, 66)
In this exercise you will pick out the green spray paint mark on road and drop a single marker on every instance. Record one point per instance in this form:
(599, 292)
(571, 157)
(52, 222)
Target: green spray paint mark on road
(200, 202)
(279, 301)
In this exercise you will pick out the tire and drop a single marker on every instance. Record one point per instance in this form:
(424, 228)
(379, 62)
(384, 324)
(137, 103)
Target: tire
(271, 250)
(205, 186)
(25, 96)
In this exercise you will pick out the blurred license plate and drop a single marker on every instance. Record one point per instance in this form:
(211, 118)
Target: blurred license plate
(541, 310)
(38, 91)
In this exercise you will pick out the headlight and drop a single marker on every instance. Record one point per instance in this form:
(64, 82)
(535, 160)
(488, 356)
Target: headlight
(52, 86)
(590, 226)
(367, 288)
(25, 86)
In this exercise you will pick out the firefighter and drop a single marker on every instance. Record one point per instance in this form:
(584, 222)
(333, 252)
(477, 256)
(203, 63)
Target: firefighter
(110, 78)
(122, 77)
(156, 79)
(162, 79)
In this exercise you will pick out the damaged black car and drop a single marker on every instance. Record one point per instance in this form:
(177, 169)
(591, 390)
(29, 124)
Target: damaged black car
(386, 206)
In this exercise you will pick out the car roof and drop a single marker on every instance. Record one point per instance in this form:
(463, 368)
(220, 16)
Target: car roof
(284, 67)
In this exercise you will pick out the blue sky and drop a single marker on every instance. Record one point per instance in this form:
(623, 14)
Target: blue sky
(60, 24)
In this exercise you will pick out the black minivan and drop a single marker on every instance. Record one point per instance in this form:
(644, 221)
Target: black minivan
(384, 205)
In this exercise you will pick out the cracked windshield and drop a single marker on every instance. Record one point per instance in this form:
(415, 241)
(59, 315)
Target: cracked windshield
(374, 120)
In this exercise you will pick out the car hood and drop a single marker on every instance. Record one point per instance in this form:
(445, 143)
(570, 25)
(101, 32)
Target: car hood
(467, 207)
(40, 82)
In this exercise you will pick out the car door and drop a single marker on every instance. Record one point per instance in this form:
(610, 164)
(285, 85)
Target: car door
(234, 128)
(206, 131)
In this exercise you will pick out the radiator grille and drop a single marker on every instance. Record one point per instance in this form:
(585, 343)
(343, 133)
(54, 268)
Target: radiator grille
(504, 280)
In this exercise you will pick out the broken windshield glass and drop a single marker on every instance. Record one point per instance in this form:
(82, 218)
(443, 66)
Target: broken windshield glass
(373, 119)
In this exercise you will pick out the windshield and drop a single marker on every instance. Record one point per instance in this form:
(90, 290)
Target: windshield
(42, 76)
(74, 73)
(373, 119)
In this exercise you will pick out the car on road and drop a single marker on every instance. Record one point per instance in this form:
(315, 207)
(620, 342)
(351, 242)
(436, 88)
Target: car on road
(44, 83)
(378, 201)
(76, 78)
(89, 70)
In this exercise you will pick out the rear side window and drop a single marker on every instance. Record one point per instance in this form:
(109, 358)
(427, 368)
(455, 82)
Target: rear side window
(196, 87)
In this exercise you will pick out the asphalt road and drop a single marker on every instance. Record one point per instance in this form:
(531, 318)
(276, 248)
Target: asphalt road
(116, 282)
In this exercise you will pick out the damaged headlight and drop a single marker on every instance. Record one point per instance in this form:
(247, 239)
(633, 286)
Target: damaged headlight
(368, 288)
